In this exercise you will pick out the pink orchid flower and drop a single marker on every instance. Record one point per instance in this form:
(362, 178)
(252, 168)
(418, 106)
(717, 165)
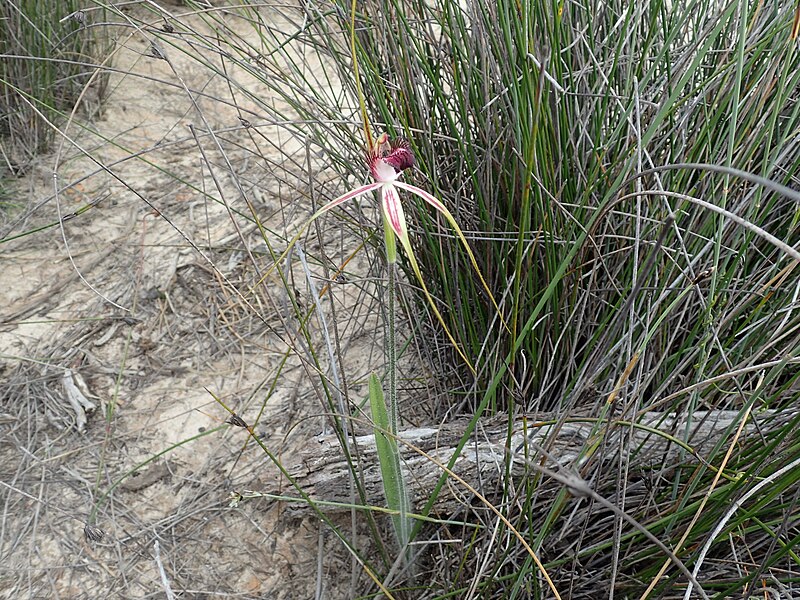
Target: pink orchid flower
(387, 160)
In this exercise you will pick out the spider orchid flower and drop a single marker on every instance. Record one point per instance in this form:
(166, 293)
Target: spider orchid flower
(387, 159)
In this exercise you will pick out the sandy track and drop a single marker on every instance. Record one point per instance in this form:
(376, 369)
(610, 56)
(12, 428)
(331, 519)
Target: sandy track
(135, 302)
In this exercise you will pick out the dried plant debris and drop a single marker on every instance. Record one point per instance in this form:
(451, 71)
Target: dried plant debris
(58, 395)
(92, 533)
(76, 393)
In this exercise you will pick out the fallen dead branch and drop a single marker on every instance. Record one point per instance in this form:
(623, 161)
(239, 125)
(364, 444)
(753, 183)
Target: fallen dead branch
(656, 440)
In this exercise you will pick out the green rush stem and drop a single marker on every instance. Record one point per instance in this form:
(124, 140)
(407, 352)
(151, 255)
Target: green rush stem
(361, 103)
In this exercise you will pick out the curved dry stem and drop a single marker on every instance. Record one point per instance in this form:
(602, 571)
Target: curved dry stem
(703, 503)
(235, 420)
(481, 498)
(751, 227)
(731, 511)
(578, 487)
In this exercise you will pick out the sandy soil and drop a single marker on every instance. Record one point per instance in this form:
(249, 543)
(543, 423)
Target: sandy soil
(128, 315)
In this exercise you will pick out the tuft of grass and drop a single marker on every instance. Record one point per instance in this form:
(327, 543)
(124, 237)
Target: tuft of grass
(602, 160)
(580, 147)
(627, 175)
(48, 54)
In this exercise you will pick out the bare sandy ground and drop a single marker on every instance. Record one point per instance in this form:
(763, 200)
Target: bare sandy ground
(117, 326)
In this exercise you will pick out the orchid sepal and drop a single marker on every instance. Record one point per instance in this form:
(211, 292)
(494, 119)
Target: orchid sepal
(441, 208)
(395, 228)
(392, 210)
(390, 241)
(387, 160)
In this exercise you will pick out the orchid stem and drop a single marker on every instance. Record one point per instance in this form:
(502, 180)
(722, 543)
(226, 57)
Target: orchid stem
(391, 351)
(391, 346)
(403, 523)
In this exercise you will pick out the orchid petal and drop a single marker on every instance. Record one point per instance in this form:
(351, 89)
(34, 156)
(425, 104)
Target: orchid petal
(382, 171)
(388, 159)
(430, 199)
(400, 155)
(351, 195)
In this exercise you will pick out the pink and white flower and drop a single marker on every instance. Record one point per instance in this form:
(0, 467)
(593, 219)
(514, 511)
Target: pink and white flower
(387, 159)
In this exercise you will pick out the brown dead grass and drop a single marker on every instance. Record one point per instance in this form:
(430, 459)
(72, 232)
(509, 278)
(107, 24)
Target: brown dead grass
(118, 299)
